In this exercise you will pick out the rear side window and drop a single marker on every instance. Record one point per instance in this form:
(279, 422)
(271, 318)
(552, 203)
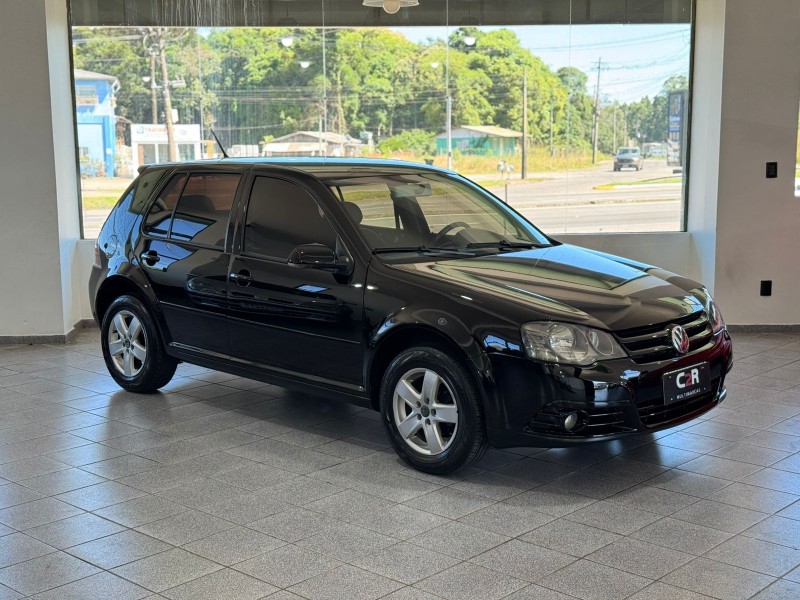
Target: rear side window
(158, 219)
(201, 216)
(194, 210)
(281, 216)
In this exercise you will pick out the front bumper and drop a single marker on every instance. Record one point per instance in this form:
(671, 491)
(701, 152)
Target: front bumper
(527, 400)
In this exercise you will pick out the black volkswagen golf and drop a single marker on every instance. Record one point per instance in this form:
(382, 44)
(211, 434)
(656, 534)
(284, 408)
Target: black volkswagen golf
(406, 288)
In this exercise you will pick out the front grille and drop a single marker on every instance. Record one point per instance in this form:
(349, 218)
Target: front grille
(652, 343)
(655, 412)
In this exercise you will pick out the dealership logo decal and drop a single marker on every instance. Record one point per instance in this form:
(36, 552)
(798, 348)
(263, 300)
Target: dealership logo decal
(680, 339)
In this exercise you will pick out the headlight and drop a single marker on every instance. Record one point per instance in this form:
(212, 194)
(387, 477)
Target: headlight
(715, 316)
(712, 309)
(570, 344)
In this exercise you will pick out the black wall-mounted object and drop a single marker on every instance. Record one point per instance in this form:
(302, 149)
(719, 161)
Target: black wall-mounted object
(772, 170)
(766, 287)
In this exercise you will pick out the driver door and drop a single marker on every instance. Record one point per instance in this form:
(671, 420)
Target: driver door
(294, 320)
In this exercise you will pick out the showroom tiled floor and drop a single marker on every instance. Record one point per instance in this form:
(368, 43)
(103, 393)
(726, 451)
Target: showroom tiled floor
(224, 488)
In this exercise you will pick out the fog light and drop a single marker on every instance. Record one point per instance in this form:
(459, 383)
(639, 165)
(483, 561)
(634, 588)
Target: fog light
(571, 421)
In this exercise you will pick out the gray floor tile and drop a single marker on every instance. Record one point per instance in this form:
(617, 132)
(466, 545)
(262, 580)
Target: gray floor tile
(467, 581)
(166, 570)
(777, 530)
(141, 510)
(682, 536)
(405, 563)
(749, 453)
(185, 527)
(38, 512)
(571, 538)
(556, 503)
(507, 519)
(780, 590)
(753, 497)
(718, 580)
(345, 539)
(118, 549)
(653, 499)
(233, 545)
(346, 582)
(74, 530)
(450, 503)
(7, 593)
(44, 573)
(120, 466)
(591, 581)
(536, 592)
(293, 525)
(458, 540)
(12, 494)
(613, 517)
(102, 586)
(692, 484)
(724, 517)
(100, 495)
(640, 558)
(523, 560)
(287, 566)
(756, 555)
(225, 584)
(663, 591)
(18, 547)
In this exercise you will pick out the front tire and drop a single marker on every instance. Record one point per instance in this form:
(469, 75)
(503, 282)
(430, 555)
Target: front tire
(132, 347)
(432, 411)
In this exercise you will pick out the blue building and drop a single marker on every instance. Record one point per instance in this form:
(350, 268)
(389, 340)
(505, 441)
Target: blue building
(97, 135)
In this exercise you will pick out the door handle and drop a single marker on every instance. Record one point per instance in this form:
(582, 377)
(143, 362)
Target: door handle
(150, 257)
(242, 278)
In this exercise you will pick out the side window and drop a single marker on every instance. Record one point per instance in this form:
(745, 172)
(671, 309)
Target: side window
(281, 216)
(201, 216)
(158, 219)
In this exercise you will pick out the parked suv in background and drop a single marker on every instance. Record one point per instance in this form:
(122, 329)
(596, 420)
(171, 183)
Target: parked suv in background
(628, 157)
(405, 288)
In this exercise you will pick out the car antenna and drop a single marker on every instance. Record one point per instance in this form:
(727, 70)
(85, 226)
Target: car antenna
(221, 147)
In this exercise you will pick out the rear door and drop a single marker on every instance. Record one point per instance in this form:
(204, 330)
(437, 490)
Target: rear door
(185, 252)
(298, 321)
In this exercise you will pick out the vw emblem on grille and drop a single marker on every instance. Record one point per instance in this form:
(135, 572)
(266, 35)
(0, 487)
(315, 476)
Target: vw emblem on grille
(680, 339)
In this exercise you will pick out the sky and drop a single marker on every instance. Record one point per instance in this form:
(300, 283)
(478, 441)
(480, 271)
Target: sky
(636, 59)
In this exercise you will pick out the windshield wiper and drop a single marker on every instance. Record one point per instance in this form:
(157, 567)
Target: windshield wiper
(503, 244)
(423, 250)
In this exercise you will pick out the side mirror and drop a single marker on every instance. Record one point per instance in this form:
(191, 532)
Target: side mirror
(319, 256)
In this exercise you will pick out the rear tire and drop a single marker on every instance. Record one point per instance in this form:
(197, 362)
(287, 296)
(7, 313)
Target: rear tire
(132, 347)
(432, 411)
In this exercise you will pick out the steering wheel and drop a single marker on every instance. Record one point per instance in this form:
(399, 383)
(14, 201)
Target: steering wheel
(447, 229)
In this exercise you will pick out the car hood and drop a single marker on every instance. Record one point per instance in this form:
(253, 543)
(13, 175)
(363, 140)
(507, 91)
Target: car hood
(568, 283)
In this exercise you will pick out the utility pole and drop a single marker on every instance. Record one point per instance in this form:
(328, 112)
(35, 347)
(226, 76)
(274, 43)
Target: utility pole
(200, 81)
(172, 147)
(524, 170)
(614, 147)
(552, 121)
(153, 88)
(596, 113)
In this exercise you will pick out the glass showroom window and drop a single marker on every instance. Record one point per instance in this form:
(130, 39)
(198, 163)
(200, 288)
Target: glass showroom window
(575, 113)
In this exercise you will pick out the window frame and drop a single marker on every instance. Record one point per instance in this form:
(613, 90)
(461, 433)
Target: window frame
(189, 172)
(239, 250)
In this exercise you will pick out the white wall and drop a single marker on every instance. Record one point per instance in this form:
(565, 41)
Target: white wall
(38, 228)
(742, 227)
(758, 219)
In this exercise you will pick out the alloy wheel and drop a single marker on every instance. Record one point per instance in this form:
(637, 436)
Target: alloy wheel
(127, 343)
(425, 411)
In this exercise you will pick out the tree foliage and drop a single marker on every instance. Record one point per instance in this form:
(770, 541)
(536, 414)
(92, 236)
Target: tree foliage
(251, 86)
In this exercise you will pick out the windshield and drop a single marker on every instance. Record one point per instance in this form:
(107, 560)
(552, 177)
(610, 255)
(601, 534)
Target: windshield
(628, 151)
(426, 211)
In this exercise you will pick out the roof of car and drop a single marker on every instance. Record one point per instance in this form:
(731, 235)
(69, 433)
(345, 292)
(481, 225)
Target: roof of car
(314, 163)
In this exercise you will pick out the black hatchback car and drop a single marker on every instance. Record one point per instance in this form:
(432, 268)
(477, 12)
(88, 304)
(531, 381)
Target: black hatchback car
(406, 288)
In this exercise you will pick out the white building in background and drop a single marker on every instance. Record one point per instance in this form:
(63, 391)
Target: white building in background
(313, 143)
(149, 143)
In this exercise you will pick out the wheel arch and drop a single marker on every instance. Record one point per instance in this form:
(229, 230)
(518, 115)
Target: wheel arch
(118, 285)
(402, 337)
